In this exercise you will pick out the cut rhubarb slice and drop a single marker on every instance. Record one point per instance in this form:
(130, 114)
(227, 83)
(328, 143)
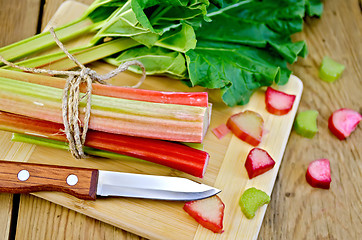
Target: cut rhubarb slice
(306, 123)
(208, 212)
(319, 174)
(248, 126)
(343, 122)
(221, 131)
(277, 102)
(330, 70)
(258, 162)
(251, 200)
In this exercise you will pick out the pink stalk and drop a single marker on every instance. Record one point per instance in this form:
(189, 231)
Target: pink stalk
(170, 154)
(120, 116)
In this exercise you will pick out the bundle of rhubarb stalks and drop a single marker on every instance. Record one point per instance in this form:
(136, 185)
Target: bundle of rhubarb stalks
(149, 125)
(173, 38)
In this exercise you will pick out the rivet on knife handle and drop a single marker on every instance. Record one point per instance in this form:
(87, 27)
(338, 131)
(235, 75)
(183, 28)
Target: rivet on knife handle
(18, 177)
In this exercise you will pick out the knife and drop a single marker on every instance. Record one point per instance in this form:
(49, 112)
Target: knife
(86, 183)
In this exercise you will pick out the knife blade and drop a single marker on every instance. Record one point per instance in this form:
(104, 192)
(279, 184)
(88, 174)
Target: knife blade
(87, 183)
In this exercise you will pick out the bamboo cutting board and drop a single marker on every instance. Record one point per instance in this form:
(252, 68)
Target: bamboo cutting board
(165, 219)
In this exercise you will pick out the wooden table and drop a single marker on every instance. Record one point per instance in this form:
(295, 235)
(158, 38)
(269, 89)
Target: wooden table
(296, 211)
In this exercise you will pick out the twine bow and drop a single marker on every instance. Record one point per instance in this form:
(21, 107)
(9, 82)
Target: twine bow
(71, 95)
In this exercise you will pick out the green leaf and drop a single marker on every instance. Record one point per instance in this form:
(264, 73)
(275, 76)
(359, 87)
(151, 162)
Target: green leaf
(181, 39)
(145, 21)
(156, 60)
(222, 3)
(159, 16)
(282, 16)
(225, 28)
(100, 10)
(123, 23)
(238, 70)
(314, 7)
(246, 45)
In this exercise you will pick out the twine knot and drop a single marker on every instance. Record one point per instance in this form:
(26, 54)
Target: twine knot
(71, 95)
(87, 72)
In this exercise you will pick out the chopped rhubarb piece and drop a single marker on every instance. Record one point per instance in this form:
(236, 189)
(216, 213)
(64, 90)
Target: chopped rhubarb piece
(330, 70)
(258, 162)
(306, 123)
(343, 122)
(174, 155)
(208, 212)
(251, 200)
(277, 102)
(221, 131)
(248, 126)
(319, 174)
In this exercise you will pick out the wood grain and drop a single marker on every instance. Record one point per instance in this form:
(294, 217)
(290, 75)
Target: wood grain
(48, 178)
(10, 151)
(296, 211)
(22, 16)
(18, 20)
(50, 8)
(41, 219)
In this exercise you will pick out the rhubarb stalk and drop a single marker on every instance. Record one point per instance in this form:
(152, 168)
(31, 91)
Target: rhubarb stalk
(170, 154)
(115, 115)
(90, 21)
(183, 98)
(59, 61)
(45, 41)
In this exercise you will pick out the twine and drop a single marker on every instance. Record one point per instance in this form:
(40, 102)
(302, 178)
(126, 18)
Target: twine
(71, 95)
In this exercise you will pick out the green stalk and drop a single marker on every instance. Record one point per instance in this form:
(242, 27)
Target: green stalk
(59, 61)
(44, 40)
(43, 59)
(46, 142)
(126, 8)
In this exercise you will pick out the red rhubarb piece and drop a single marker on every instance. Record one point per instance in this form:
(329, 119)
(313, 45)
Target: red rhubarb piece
(208, 212)
(319, 174)
(277, 102)
(248, 126)
(343, 122)
(258, 162)
(221, 131)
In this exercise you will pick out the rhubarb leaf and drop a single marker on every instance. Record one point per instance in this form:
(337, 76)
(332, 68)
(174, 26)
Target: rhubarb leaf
(314, 7)
(100, 10)
(156, 60)
(238, 70)
(180, 39)
(153, 18)
(245, 46)
(282, 16)
(226, 28)
(159, 16)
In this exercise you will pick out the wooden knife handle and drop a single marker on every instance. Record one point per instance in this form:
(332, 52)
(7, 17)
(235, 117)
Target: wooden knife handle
(16, 177)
